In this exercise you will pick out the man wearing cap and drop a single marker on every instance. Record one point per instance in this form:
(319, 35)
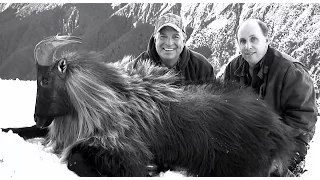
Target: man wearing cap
(167, 48)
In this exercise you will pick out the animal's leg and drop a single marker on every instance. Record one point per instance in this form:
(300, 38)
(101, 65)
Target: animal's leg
(87, 160)
(77, 163)
(28, 132)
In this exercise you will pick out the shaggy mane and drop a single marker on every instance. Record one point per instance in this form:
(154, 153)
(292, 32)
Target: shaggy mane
(105, 109)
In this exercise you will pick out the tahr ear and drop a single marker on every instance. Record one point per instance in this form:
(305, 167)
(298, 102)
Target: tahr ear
(62, 65)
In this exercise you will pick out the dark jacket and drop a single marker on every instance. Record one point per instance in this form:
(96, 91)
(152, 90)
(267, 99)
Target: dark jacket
(193, 66)
(285, 85)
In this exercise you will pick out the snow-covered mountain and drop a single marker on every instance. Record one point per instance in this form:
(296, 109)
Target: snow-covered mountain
(119, 29)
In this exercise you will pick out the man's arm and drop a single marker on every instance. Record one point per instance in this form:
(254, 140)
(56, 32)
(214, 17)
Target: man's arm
(203, 69)
(207, 73)
(299, 103)
(226, 74)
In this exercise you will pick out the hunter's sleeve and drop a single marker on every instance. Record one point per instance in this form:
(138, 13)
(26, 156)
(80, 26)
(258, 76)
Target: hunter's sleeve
(226, 74)
(209, 73)
(299, 102)
(203, 69)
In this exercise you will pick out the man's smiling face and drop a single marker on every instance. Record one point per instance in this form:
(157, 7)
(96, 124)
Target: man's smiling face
(169, 45)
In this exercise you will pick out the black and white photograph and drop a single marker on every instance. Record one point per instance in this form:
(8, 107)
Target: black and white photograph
(208, 89)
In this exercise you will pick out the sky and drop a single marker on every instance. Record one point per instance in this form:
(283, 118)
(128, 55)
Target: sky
(23, 159)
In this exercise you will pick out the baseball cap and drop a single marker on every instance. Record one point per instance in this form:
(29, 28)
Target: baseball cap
(171, 20)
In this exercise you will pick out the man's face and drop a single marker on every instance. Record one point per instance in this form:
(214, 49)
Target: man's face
(252, 43)
(169, 45)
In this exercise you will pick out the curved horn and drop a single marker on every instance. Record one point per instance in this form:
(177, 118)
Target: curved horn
(45, 50)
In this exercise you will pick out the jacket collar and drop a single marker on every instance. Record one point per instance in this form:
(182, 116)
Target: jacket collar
(243, 69)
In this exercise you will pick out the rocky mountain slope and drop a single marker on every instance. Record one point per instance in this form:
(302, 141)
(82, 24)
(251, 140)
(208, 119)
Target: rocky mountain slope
(124, 29)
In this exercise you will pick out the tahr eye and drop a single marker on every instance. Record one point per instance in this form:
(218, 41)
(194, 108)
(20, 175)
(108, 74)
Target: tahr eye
(44, 82)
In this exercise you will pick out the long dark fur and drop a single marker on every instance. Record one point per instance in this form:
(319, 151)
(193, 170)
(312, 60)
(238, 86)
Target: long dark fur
(124, 119)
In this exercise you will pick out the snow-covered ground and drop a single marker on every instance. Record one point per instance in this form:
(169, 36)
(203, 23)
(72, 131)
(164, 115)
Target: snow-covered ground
(19, 158)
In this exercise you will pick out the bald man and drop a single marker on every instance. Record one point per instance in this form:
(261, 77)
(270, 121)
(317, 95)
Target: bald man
(279, 79)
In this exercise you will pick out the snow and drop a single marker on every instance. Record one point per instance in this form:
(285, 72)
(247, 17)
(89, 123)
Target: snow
(19, 158)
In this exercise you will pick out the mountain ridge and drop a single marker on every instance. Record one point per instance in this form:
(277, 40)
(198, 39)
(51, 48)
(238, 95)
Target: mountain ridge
(121, 29)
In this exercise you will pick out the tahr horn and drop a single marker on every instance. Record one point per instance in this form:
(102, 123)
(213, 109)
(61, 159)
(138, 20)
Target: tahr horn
(45, 50)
